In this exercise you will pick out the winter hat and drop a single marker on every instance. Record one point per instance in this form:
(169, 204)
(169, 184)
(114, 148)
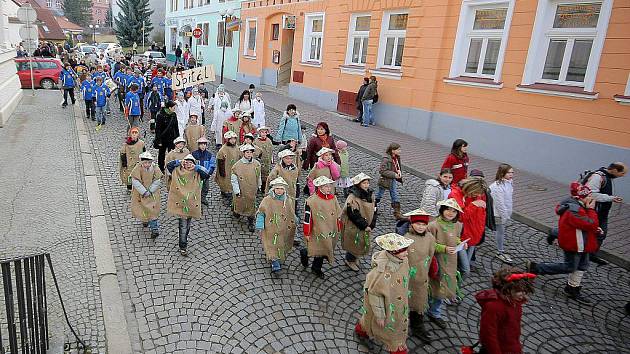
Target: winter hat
(324, 150)
(247, 147)
(393, 242)
(278, 182)
(340, 144)
(189, 157)
(322, 180)
(202, 140)
(286, 152)
(229, 135)
(579, 190)
(418, 215)
(146, 156)
(476, 173)
(451, 203)
(179, 139)
(360, 178)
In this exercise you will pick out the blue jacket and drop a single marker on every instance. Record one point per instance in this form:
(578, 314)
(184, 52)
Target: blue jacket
(289, 128)
(120, 78)
(168, 91)
(66, 78)
(101, 93)
(138, 81)
(104, 75)
(205, 159)
(87, 90)
(132, 101)
(160, 83)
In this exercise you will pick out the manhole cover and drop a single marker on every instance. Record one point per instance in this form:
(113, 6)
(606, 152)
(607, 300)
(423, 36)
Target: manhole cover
(537, 187)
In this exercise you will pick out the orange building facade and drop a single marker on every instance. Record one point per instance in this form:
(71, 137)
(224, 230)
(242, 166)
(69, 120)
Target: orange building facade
(541, 84)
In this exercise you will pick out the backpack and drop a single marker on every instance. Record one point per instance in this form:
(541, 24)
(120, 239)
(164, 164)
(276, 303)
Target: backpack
(584, 176)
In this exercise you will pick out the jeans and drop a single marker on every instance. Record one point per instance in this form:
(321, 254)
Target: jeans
(184, 229)
(89, 109)
(435, 308)
(367, 113)
(154, 225)
(68, 91)
(134, 120)
(464, 258)
(573, 261)
(500, 236)
(393, 192)
(100, 115)
(107, 107)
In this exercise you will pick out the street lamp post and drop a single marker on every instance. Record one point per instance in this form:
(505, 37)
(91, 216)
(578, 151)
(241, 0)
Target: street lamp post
(94, 28)
(225, 14)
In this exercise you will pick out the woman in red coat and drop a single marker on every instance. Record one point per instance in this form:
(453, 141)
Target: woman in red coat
(501, 312)
(458, 160)
(321, 139)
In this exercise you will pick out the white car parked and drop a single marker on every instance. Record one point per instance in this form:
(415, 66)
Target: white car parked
(110, 48)
(157, 57)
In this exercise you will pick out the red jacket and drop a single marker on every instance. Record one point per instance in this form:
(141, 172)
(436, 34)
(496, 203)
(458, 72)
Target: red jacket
(500, 323)
(473, 218)
(577, 227)
(458, 165)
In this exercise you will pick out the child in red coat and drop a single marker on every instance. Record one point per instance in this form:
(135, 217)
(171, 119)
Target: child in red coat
(501, 312)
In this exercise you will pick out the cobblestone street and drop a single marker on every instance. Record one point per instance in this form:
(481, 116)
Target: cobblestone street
(222, 298)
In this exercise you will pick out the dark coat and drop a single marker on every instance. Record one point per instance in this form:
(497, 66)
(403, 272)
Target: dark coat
(360, 95)
(500, 323)
(314, 145)
(166, 129)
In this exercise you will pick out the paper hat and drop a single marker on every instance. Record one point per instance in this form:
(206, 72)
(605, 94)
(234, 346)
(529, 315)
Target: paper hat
(190, 157)
(322, 180)
(324, 150)
(202, 140)
(360, 178)
(393, 242)
(418, 215)
(246, 114)
(249, 135)
(285, 153)
(278, 182)
(264, 128)
(146, 156)
(230, 134)
(179, 139)
(247, 147)
(451, 203)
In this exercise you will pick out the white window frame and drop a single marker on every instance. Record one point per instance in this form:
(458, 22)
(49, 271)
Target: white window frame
(49, 3)
(352, 34)
(246, 50)
(308, 35)
(385, 33)
(465, 33)
(543, 31)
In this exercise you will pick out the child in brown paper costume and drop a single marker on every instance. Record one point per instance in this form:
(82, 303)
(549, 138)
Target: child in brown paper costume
(289, 171)
(146, 178)
(226, 158)
(130, 155)
(359, 219)
(276, 223)
(447, 231)
(420, 259)
(245, 185)
(193, 132)
(264, 152)
(178, 153)
(385, 307)
(184, 196)
(322, 225)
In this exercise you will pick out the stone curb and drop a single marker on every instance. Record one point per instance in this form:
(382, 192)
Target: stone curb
(116, 329)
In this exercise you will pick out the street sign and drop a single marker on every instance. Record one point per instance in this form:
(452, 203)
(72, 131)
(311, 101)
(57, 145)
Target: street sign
(234, 24)
(26, 14)
(28, 32)
(197, 32)
(193, 77)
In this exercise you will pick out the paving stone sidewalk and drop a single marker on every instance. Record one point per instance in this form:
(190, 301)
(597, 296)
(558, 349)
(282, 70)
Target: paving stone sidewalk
(45, 210)
(535, 197)
(223, 299)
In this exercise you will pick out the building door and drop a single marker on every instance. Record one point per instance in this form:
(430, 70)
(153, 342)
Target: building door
(286, 57)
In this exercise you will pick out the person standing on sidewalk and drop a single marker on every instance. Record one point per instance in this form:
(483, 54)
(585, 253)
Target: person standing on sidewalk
(435, 191)
(184, 196)
(87, 91)
(289, 126)
(366, 82)
(384, 314)
(146, 178)
(601, 184)
(130, 155)
(391, 174)
(458, 160)
(246, 181)
(578, 230)
(67, 78)
(502, 190)
(370, 96)
(178, 55)
(322, 139)
(276, 223)
(358, 220)
(322, 225)
(205, 159)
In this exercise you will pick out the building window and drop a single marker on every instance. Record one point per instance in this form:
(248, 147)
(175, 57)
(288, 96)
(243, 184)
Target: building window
(98, 21)
(49, 3)
(205, 28)
(392, 41)
(313, 38)
(174, 5)
(228, 39)
(249, 47)
(567, 43)
(173, 41)
(275, 31)
(358, 36)
(59, 4)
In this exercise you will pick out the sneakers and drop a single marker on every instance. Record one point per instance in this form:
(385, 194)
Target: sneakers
(275, 266)
(183, 252)
(573, 292)
(98, 127)
(352, 265)
(438, 321)
(504, 258)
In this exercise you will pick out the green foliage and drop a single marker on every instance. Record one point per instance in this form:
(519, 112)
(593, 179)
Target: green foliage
(129, 21)
(78, 11)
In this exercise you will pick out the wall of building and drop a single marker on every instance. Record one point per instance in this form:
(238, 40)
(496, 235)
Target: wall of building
(9, 85)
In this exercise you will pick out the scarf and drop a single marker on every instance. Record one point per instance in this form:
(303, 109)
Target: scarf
(324, 139)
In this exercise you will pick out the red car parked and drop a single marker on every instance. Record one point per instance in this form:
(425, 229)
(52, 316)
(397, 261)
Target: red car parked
(45, 72)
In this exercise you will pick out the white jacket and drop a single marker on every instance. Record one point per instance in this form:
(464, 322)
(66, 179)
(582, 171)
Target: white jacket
(217, 124)
(259, 113)
(244, 107)
(196, 104)
(182, 109)
(432, 194)
(502, 192)
(217, 102)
